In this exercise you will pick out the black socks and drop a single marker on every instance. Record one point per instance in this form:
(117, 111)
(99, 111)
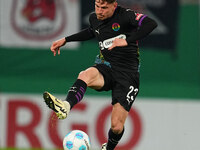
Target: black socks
(76, 92)
(113, 139)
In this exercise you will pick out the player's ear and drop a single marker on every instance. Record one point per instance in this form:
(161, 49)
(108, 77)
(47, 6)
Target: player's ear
(115, 4)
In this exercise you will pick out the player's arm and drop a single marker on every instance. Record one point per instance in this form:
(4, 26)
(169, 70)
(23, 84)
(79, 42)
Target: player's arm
(145, 26)
(83, 35)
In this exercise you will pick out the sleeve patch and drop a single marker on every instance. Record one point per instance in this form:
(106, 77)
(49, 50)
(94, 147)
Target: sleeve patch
(138, 16)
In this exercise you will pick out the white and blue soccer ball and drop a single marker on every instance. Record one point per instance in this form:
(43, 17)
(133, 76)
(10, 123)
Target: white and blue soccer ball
(76, 140)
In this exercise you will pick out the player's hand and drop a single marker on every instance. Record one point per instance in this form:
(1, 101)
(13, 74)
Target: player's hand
(118, 43)
(55, 47)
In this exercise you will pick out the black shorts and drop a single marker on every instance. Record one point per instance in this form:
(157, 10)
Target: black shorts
(124, 85)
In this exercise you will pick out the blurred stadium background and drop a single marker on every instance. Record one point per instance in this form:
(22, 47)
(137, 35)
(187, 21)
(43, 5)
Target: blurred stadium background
(166, 113)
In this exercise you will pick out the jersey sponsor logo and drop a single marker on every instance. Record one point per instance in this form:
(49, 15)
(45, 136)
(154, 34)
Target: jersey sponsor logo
(138, 16)
(107, 43)
(115, 26)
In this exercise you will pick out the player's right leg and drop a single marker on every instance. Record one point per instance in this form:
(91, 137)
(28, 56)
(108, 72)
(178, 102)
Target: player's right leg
(118, 118)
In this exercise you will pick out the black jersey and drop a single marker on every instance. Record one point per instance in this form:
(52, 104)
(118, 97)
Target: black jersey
(125, 24)
(121, 25)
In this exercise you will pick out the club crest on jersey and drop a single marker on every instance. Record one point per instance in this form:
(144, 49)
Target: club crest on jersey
(115, 26)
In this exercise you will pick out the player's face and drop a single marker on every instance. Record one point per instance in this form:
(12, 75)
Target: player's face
(104, 10)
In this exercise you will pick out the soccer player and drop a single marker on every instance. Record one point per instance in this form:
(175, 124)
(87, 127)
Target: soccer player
(116, 68)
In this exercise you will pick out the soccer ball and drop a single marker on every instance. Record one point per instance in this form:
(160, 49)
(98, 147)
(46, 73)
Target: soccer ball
(76, 140)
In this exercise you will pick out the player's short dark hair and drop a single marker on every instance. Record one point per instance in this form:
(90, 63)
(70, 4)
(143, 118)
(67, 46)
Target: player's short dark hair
(109, 1)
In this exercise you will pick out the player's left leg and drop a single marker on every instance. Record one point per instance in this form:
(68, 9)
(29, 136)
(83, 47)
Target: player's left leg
(90, 77)
(118, 118)
(61, 108)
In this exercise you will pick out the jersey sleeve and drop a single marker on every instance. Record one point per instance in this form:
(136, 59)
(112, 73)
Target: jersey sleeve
(135, 18)
(84, 35)
(91, 19)
(142, 23)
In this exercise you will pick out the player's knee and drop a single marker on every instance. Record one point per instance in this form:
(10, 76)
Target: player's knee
(117, 127)
(83, 75)
(88, 75)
